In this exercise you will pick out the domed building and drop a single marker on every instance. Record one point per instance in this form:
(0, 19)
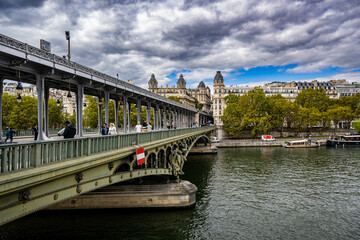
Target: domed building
(186, 96)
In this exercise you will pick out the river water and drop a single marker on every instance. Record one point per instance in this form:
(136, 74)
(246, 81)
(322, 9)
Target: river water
(245, 193)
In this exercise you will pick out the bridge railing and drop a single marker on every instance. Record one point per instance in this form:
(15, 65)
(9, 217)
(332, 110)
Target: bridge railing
(29, 132)
(29, 155)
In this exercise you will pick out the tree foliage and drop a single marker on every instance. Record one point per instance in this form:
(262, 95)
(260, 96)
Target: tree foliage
(356, 126)
(260, 114)
(24, 115)
(313, 98)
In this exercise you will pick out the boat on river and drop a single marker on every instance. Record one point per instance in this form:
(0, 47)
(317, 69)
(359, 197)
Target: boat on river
(343, 141)
(305, 143)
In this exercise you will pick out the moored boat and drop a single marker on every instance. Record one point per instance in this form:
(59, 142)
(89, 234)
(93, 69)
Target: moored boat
(343, 141)
(305, 143)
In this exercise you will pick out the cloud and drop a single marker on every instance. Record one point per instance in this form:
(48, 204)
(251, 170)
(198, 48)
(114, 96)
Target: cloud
(137, 38)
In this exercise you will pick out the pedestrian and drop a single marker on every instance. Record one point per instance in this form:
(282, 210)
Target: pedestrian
(69, 131)
(36, 131)
(9, 134)
(149, 127)
(112, 129)
(104, 129)
(138, 127)
(144, 126)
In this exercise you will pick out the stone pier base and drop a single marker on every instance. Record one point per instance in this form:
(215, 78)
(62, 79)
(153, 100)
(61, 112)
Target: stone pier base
(170, 195)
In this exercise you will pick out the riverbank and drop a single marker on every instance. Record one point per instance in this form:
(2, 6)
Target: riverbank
(259, 143)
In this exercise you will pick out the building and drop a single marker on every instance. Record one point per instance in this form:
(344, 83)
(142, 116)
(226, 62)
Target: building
(334, 89)
(186, 96)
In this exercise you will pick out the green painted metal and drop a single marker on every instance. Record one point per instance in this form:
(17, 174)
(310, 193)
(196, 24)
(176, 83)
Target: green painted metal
(37, 175)
(19, 156)
(30, 132)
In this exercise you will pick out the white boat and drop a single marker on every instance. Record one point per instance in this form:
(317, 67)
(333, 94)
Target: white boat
(305, 143)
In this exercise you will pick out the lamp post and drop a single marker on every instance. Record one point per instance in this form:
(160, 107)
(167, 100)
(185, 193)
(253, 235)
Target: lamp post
(67, 36)
(19, 89)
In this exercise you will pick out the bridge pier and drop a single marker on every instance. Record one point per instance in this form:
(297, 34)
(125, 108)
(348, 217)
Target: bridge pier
(171, 195)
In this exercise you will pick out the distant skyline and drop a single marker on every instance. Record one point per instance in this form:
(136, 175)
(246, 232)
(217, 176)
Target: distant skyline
(251, 42)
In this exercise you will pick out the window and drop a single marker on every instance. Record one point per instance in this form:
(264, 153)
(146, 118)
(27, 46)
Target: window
(215, 101)
(219, 100)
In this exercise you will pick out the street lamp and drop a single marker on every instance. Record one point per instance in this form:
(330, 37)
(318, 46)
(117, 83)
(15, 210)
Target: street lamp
(58, 102)
(18, 99)
(69, 95)
(67, 36)
(18, 89)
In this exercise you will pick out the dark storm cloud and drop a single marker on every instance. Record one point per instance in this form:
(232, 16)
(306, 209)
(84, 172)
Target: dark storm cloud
(7, 4)
(136, 38)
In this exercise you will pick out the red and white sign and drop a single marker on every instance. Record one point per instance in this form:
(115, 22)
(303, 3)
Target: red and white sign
(140, 155)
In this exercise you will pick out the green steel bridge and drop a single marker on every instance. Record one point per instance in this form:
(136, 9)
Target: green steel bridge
(39, 174)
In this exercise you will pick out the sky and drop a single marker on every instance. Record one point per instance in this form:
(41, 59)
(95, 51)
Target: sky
(250, 41)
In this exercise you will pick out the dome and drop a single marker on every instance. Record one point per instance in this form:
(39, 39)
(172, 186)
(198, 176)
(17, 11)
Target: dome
(218, 77)
(152, 81)
(181, 82)
(201, 85)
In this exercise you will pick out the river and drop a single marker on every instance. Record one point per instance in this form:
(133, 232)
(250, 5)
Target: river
(244, 193)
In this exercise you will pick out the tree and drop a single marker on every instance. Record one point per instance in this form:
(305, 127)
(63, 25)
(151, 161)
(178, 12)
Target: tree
(278, 107)
(24, 114)
(313, 98)
(174, 98)
(56, 117)
(247, 112)
(356, 125)
(91, 112)
(307, 118)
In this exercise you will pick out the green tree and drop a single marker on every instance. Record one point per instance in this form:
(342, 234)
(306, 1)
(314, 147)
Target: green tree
(313, 98)
(278, 109)
(91, 112)
(356, 125)
(24, 114)
(56, 117)
(232, 117)
(247, 112)
(340, 114)
(307, 118)
(174, 98)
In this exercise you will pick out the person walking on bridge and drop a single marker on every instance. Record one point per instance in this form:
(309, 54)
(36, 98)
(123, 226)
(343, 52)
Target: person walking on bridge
(104, 130)
(70, 130)
(138, 128)
(112, 129)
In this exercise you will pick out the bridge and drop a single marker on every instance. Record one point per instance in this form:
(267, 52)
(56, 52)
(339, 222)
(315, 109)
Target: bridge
(24, 63)
(41, 173)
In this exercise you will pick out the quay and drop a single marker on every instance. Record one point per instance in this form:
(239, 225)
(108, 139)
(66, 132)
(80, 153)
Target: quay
(257, 143)
(170, 195)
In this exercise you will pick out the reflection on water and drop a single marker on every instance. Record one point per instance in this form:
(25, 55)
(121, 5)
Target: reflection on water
(246, 193)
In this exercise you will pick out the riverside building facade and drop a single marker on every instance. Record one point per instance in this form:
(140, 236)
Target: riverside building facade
(186, 96)
(334, 89)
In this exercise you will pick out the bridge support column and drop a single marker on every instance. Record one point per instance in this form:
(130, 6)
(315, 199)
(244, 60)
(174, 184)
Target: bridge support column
(148, 113)
(129, 116)
(99, 114)
(79, 110)
(164, 120)
(40, 83)
(125, 106)
(106, 106)
(116, 104)
(138, 108)
(157, 116)
(46, 111)
(170, 124)
(1, 93)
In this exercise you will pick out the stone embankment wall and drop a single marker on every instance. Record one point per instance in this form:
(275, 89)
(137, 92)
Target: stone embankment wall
(221, 134)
